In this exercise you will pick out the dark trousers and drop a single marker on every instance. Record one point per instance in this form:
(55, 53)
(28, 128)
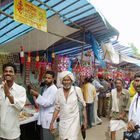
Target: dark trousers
(46, 134)
(102, 106)
(89, 109)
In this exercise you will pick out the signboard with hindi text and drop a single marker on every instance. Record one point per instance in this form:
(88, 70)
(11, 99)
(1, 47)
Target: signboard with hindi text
(27, 13)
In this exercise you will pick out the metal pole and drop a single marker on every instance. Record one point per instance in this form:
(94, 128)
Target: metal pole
(2, 12)
(82, 42)
(56, 12)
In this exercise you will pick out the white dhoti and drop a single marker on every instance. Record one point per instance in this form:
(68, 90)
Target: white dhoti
(116, 125)
(97, 120)
(69, 129)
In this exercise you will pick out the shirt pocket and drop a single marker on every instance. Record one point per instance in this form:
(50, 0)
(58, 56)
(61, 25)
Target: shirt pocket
(123, 103)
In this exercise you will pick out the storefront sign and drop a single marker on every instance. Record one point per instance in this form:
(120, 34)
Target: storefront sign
(27, 13)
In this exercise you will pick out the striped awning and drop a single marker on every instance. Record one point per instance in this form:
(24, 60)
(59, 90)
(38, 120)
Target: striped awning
(79, 12)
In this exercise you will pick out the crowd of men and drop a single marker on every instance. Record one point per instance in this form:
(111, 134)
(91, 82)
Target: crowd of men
(74, 106)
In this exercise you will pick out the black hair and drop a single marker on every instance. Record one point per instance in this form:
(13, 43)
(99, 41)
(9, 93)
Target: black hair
(86, 79)
(119, 79)
(137, 75)
(51, 73)
(9, 64)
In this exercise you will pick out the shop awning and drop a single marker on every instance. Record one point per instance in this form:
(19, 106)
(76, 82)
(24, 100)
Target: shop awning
(71, 12)
(37, 40)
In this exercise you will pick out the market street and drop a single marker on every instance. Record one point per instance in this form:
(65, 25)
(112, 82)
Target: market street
(99, 132)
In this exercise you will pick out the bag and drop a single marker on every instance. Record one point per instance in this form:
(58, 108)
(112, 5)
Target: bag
(81, 107)
(102, 95)
(83, 131)
(134, 135)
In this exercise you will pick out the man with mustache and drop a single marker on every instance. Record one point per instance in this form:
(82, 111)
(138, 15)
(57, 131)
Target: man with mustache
(120, 101)
(68, 109)
(12, 100)
(134, 111)
(46, 103)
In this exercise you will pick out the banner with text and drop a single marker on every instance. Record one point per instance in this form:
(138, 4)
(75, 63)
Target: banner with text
(27, 13)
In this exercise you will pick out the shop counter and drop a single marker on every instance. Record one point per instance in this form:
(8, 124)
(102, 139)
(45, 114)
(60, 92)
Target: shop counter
(29, 119)
(28, 125)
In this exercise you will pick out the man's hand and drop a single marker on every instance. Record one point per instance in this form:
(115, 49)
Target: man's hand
(85, 124)
(7, 92)
(51, 128)
(34, 93)
(131, 126)
(108, 94)
(6, 88)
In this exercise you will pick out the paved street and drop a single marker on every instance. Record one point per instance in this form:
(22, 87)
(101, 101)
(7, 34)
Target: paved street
(100, 132)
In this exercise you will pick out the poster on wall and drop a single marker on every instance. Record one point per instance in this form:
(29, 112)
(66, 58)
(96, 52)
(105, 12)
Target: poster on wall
(27, 13)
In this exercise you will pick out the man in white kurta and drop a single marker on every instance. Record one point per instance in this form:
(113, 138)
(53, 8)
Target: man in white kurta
(68, 109)
(134, 111)
(12, 100)
(46, 102)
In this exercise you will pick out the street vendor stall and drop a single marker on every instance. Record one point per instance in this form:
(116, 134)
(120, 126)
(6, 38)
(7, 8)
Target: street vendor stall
(28, 123)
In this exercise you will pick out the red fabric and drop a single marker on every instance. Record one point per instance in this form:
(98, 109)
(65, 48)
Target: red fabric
(100, 75)
(29, 59)
(37, 61)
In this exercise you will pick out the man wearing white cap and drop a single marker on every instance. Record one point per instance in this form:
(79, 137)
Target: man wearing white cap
(67, 107)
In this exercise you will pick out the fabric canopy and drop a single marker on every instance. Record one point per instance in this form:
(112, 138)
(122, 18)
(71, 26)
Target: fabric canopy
(110, 53)
(130, 60)
(37, 40)
(115, 57)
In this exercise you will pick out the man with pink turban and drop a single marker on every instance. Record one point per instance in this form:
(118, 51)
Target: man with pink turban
(67, 107)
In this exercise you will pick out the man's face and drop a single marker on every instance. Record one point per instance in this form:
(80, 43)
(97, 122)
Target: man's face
(137, 84)
(9, 73)
(48, 79)
(67, 82)
(119, 84)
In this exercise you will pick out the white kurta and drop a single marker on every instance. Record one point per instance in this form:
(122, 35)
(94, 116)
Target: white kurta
(47, 106)
(9, 122)
(69, 125)
(134, 111)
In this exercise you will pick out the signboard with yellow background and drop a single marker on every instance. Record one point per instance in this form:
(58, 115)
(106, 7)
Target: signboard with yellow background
(27, 13)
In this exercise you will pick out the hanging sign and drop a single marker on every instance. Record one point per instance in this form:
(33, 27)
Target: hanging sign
(27, 13)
